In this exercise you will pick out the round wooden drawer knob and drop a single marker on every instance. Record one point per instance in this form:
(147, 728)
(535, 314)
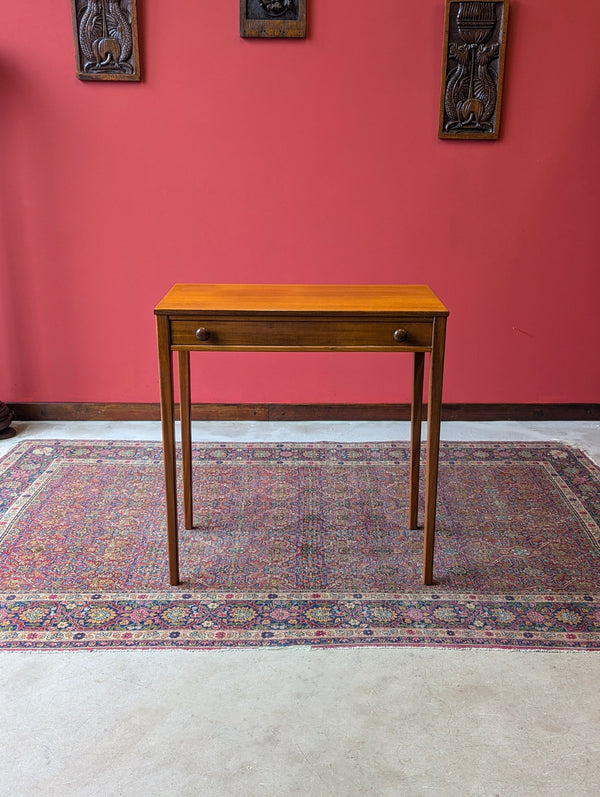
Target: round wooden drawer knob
(400, 335)
(203, 333)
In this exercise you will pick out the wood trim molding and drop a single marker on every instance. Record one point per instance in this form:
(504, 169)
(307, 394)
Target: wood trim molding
(304, 412)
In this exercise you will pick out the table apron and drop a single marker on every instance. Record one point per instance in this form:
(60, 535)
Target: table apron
(300, 335)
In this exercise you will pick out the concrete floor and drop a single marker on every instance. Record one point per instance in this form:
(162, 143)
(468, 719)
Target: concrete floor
(301, 721)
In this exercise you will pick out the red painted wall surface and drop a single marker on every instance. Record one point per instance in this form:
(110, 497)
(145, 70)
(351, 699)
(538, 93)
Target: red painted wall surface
(297, 161)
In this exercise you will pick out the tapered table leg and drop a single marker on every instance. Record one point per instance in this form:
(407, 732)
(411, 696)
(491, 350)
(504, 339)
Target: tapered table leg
(434, 417)
(167, 410)
(415, 438)
(186, 436)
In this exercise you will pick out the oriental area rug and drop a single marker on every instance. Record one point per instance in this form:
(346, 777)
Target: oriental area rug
(298, 544)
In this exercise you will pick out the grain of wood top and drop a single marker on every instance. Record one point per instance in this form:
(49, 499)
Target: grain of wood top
(414, 300)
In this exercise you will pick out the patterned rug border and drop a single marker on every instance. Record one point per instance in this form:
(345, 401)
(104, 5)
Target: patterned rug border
(176, 618)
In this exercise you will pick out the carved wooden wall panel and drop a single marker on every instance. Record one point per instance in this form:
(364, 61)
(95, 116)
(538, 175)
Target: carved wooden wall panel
(106, 39)
(473, 69)
(273, 18)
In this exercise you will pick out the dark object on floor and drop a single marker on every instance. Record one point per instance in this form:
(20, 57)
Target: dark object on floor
(6, 418)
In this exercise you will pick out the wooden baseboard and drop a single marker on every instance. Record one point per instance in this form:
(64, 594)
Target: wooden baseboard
(305, 412)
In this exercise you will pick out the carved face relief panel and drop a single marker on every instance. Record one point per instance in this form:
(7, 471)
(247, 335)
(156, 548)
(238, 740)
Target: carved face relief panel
(272, 9)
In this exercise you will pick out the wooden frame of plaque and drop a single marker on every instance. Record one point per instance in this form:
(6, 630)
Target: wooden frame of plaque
(273, 19)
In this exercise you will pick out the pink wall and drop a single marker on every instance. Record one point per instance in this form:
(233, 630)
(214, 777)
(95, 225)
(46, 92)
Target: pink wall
(297, 161)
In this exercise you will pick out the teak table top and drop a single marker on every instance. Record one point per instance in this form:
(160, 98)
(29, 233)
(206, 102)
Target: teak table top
(414, 300)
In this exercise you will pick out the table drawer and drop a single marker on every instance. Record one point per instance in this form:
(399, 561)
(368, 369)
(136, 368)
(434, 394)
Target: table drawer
(290, 334)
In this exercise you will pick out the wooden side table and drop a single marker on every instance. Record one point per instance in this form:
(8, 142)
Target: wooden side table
(398, 318)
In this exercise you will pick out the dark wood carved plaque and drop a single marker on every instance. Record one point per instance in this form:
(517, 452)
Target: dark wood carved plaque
(473, 69)
(106, 39)
(273, 18)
